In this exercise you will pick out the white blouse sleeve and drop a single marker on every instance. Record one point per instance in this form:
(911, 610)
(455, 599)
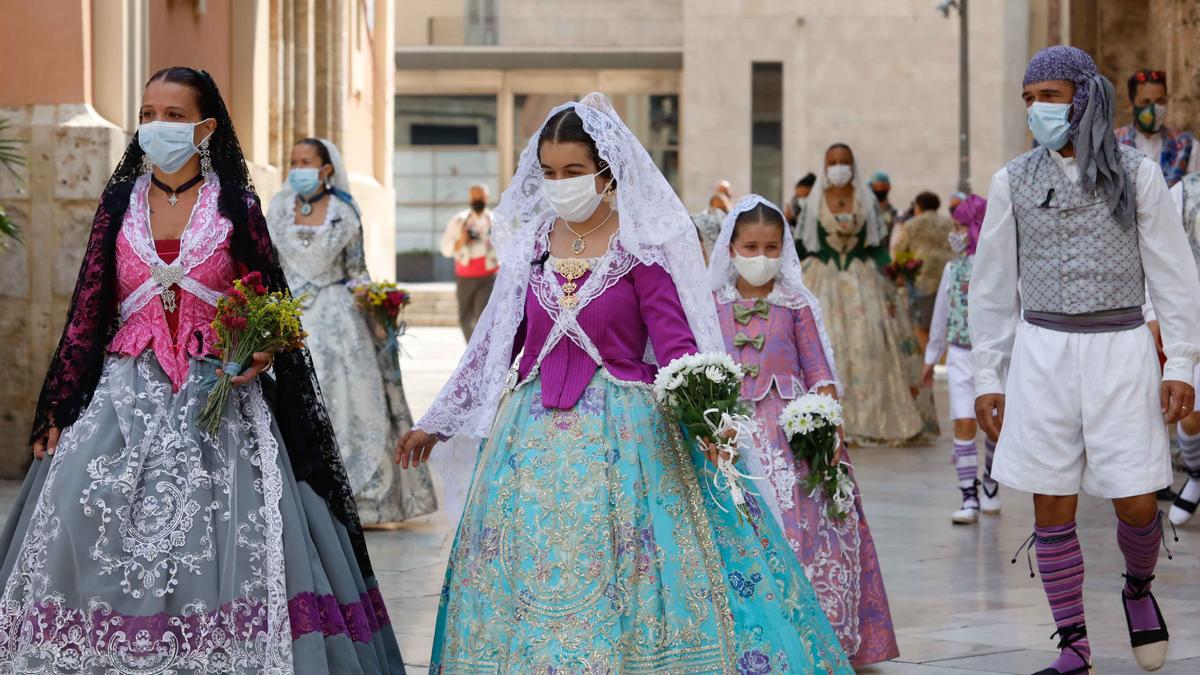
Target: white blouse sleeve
(937, 326)
(1170, 272)
(994, 299)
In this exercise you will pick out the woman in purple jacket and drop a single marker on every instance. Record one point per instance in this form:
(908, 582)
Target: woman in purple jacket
(589, 542)
(773, 328)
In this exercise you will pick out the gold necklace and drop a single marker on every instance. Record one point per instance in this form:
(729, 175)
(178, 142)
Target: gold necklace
(579, 244)
(571, 269)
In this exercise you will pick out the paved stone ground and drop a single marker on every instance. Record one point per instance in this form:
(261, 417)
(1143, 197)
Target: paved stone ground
(959, 605)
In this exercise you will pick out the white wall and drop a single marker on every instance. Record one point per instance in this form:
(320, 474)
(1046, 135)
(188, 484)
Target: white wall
(881, 75)
(590, 23)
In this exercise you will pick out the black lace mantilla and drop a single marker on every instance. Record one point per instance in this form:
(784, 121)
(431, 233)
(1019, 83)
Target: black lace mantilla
(92, 320)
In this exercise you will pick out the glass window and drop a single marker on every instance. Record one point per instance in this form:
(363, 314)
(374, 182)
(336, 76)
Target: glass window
(766, 131)
(444, 145)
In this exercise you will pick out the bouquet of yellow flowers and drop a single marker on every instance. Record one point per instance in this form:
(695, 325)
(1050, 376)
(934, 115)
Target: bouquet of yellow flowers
(250, 319)
(384, 303)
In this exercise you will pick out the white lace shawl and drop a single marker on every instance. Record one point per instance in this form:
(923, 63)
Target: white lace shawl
(655, 229)
(864, 201)
(789, 290)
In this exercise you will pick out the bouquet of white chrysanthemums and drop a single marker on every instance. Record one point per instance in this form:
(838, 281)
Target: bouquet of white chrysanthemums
(811, 423)
(704, 392)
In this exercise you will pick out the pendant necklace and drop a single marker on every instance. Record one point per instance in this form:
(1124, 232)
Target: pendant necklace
(579, 244)
(306, 203)
(173, 193)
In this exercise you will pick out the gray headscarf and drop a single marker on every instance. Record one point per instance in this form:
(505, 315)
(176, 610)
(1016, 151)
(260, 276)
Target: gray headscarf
(1091, 125)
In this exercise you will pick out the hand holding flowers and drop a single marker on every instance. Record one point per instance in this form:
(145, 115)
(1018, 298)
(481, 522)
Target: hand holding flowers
(703, 390)
(384, 303)
(252, 324)
(812, 424)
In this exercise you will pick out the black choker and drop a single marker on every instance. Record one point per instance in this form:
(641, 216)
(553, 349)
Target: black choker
(306, 203)
(173, 193)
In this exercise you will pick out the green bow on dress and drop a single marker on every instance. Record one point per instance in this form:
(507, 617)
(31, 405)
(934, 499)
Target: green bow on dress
(741, 340)
(743, 314)
(750, 369)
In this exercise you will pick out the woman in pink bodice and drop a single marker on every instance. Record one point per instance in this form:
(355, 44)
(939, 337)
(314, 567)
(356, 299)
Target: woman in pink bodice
(140, 541)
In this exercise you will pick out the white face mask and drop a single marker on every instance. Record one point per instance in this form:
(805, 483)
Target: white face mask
(168, 144)
(759, 270)
(839, 174)
(573, 199)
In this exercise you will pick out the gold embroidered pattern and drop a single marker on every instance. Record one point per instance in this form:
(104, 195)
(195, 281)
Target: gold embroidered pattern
(571, 269)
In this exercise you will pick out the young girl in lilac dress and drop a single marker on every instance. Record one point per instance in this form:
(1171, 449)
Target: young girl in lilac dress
(589, 542)
(772, 326)
(140, 542)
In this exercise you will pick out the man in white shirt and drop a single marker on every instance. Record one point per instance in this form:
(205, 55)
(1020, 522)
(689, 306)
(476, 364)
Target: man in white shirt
(1076, 231)
(1186, 195)
(1176, 152)
(468, 239)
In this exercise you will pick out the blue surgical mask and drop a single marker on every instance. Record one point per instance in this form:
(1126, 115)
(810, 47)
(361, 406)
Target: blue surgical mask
(1050, 124)
(305, 181)
(168, 144)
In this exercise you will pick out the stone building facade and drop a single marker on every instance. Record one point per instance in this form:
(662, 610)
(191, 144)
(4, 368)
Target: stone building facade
(757, 90)
(71, 76)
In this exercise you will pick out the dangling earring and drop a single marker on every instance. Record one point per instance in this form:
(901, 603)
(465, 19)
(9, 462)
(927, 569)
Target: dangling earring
(610, 198)
(205, 158)
(329, 183)
(147, 165)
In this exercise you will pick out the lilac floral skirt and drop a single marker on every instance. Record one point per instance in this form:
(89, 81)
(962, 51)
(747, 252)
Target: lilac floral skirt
(838, 555)
(144, 545)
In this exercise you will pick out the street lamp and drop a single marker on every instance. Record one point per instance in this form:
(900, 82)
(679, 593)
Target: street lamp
(964, 111)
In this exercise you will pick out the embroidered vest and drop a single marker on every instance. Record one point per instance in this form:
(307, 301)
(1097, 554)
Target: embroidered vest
(1073, 256)
(1191, 212)
(957, 331)
(1176, 151)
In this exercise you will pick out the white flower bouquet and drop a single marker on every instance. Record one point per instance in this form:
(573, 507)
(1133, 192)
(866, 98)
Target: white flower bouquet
(704, 392)
(811, 424)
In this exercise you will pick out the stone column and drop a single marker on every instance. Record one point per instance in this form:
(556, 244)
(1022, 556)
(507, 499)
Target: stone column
(70, 151)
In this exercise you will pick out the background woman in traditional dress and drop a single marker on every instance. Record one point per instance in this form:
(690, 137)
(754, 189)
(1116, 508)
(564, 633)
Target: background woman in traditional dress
(589, 543)
(140, 542)
(314, 223)
(773, 327)
(844, 246)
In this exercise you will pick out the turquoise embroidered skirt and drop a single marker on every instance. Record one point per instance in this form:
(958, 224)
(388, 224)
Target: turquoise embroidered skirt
(591, 544)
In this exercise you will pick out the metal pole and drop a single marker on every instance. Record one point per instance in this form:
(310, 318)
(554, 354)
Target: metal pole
(964, 108)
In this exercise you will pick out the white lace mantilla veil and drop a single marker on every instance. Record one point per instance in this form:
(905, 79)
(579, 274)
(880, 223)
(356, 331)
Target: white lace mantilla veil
(863, 198)
(789, 290)
(655, 229)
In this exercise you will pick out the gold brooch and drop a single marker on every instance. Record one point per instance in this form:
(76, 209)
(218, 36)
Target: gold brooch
(571, 269)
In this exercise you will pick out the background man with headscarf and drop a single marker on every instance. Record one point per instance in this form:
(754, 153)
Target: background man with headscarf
(1085, 226)
(1176, 152)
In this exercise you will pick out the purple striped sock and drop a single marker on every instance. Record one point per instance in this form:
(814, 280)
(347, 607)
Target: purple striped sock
(1189, 448)
(966, 461)
(1060, 564)
(1140, 548)
(989, 454)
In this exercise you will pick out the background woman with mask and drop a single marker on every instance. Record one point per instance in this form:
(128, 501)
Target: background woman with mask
(589, 542)
(772, 326)
(140, 541)
(314, 224)
(843, 240)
